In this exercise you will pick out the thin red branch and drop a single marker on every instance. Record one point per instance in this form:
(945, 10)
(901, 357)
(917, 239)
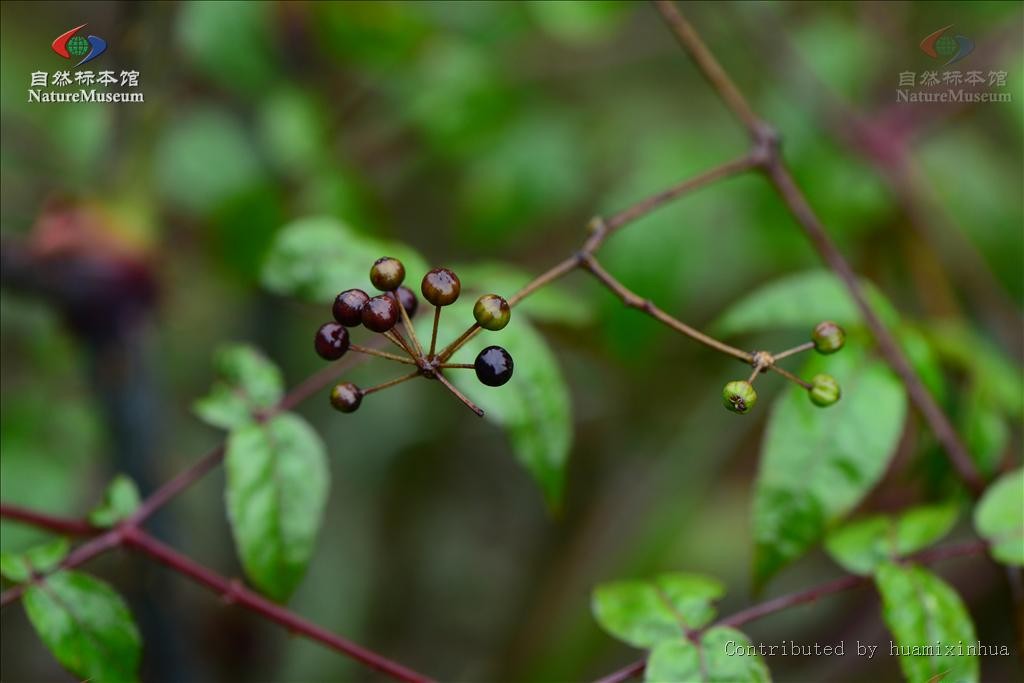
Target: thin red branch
(60, 525)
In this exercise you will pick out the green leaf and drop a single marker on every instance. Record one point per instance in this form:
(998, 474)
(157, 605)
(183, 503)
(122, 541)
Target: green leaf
(984, 429)
(40, 559)
(999, 517)
(553, 304)
(801, 301)
(721, 657)
(119, 502)
(248, 382)
(533, 407)
(818, 463)
(578, 22)
(999, 380)
(277, 481)
(233, 45)
(861, 546)
(315, 258)
(926, 615)
(86, 625)
(645, 613)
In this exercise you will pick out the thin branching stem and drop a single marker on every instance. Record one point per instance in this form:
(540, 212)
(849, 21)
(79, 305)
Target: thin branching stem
(806, 346)
(433, 331)
(392, 382)
(381, 354)
(461, 396)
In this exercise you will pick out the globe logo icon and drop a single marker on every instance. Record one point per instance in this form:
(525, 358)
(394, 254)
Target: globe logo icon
(78, 46)
(952, 48)
(69, 44)
(946, 46)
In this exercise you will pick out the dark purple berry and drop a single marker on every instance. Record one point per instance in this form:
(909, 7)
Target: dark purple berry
(387, 274)
(380, 313)
(331, 341)
(346, 397)
(441, 287)
(348, 307)
(493, 366)
(409, 301)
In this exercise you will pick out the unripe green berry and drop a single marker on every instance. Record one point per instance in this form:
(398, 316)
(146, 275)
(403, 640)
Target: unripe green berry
(828, 337)
(739, 396)
(441, 287)
(346, 397)
(387, 274)
(492, 312)
(824, 390)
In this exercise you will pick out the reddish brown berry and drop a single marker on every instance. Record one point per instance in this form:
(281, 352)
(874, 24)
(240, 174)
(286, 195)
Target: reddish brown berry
(346, 397)
(348, 307)
(409, 301)
(380, 313)
(331, 341)
(441, 287)
(387, 274)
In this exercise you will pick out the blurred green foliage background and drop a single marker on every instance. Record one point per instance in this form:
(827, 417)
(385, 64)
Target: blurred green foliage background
(482, 133)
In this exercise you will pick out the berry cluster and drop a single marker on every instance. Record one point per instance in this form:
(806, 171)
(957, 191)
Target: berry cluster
(397, 303)
(823, 390)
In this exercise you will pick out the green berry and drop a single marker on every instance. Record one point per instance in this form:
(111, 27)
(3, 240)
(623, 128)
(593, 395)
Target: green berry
(441, 287)
(346, 397)
(824, 390)
(739, 396)
(387, 274)
(492, 312)
(828, 337)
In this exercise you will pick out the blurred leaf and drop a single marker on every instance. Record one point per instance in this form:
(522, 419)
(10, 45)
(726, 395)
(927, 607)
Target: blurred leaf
(277, 480)
(248, 382)
(375, 34)
(818, 463)
(578, 21)
(40, 559)
(999, 517)
(243, 227)
(645, 613)
(714, 660)
(293, 132)
(553, 304)
(533, 407)
(862, 545)
(204, 158)
(532, 172)
(232, 43)
(119, 502)
(315, 258)
(86, 625)
(985, 431)
(995, 376)
(801, 301)
(922, 611)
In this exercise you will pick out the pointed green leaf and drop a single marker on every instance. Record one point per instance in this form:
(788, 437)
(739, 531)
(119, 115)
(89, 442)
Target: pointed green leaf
(644, 613)
(247, 382)
(40, 559)
(277, 481)
(862, 545)
(119, 502)
(818, 463)
(721, 657)
(533, 407)
(925, 616)
(999, 517)
(315, 258)
(86, 625)
(801, 301)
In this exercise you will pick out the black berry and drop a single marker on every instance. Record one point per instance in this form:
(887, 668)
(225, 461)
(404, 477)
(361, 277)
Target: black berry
(387, 274)
(441, 287)
(348, 307)
(493, 366)
(331, 341)
(380, 313)
(409, 301)
(492, 312)
(346, 397)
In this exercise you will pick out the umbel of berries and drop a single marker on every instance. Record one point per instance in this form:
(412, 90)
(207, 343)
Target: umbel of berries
(389, 315)
(823, 390)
